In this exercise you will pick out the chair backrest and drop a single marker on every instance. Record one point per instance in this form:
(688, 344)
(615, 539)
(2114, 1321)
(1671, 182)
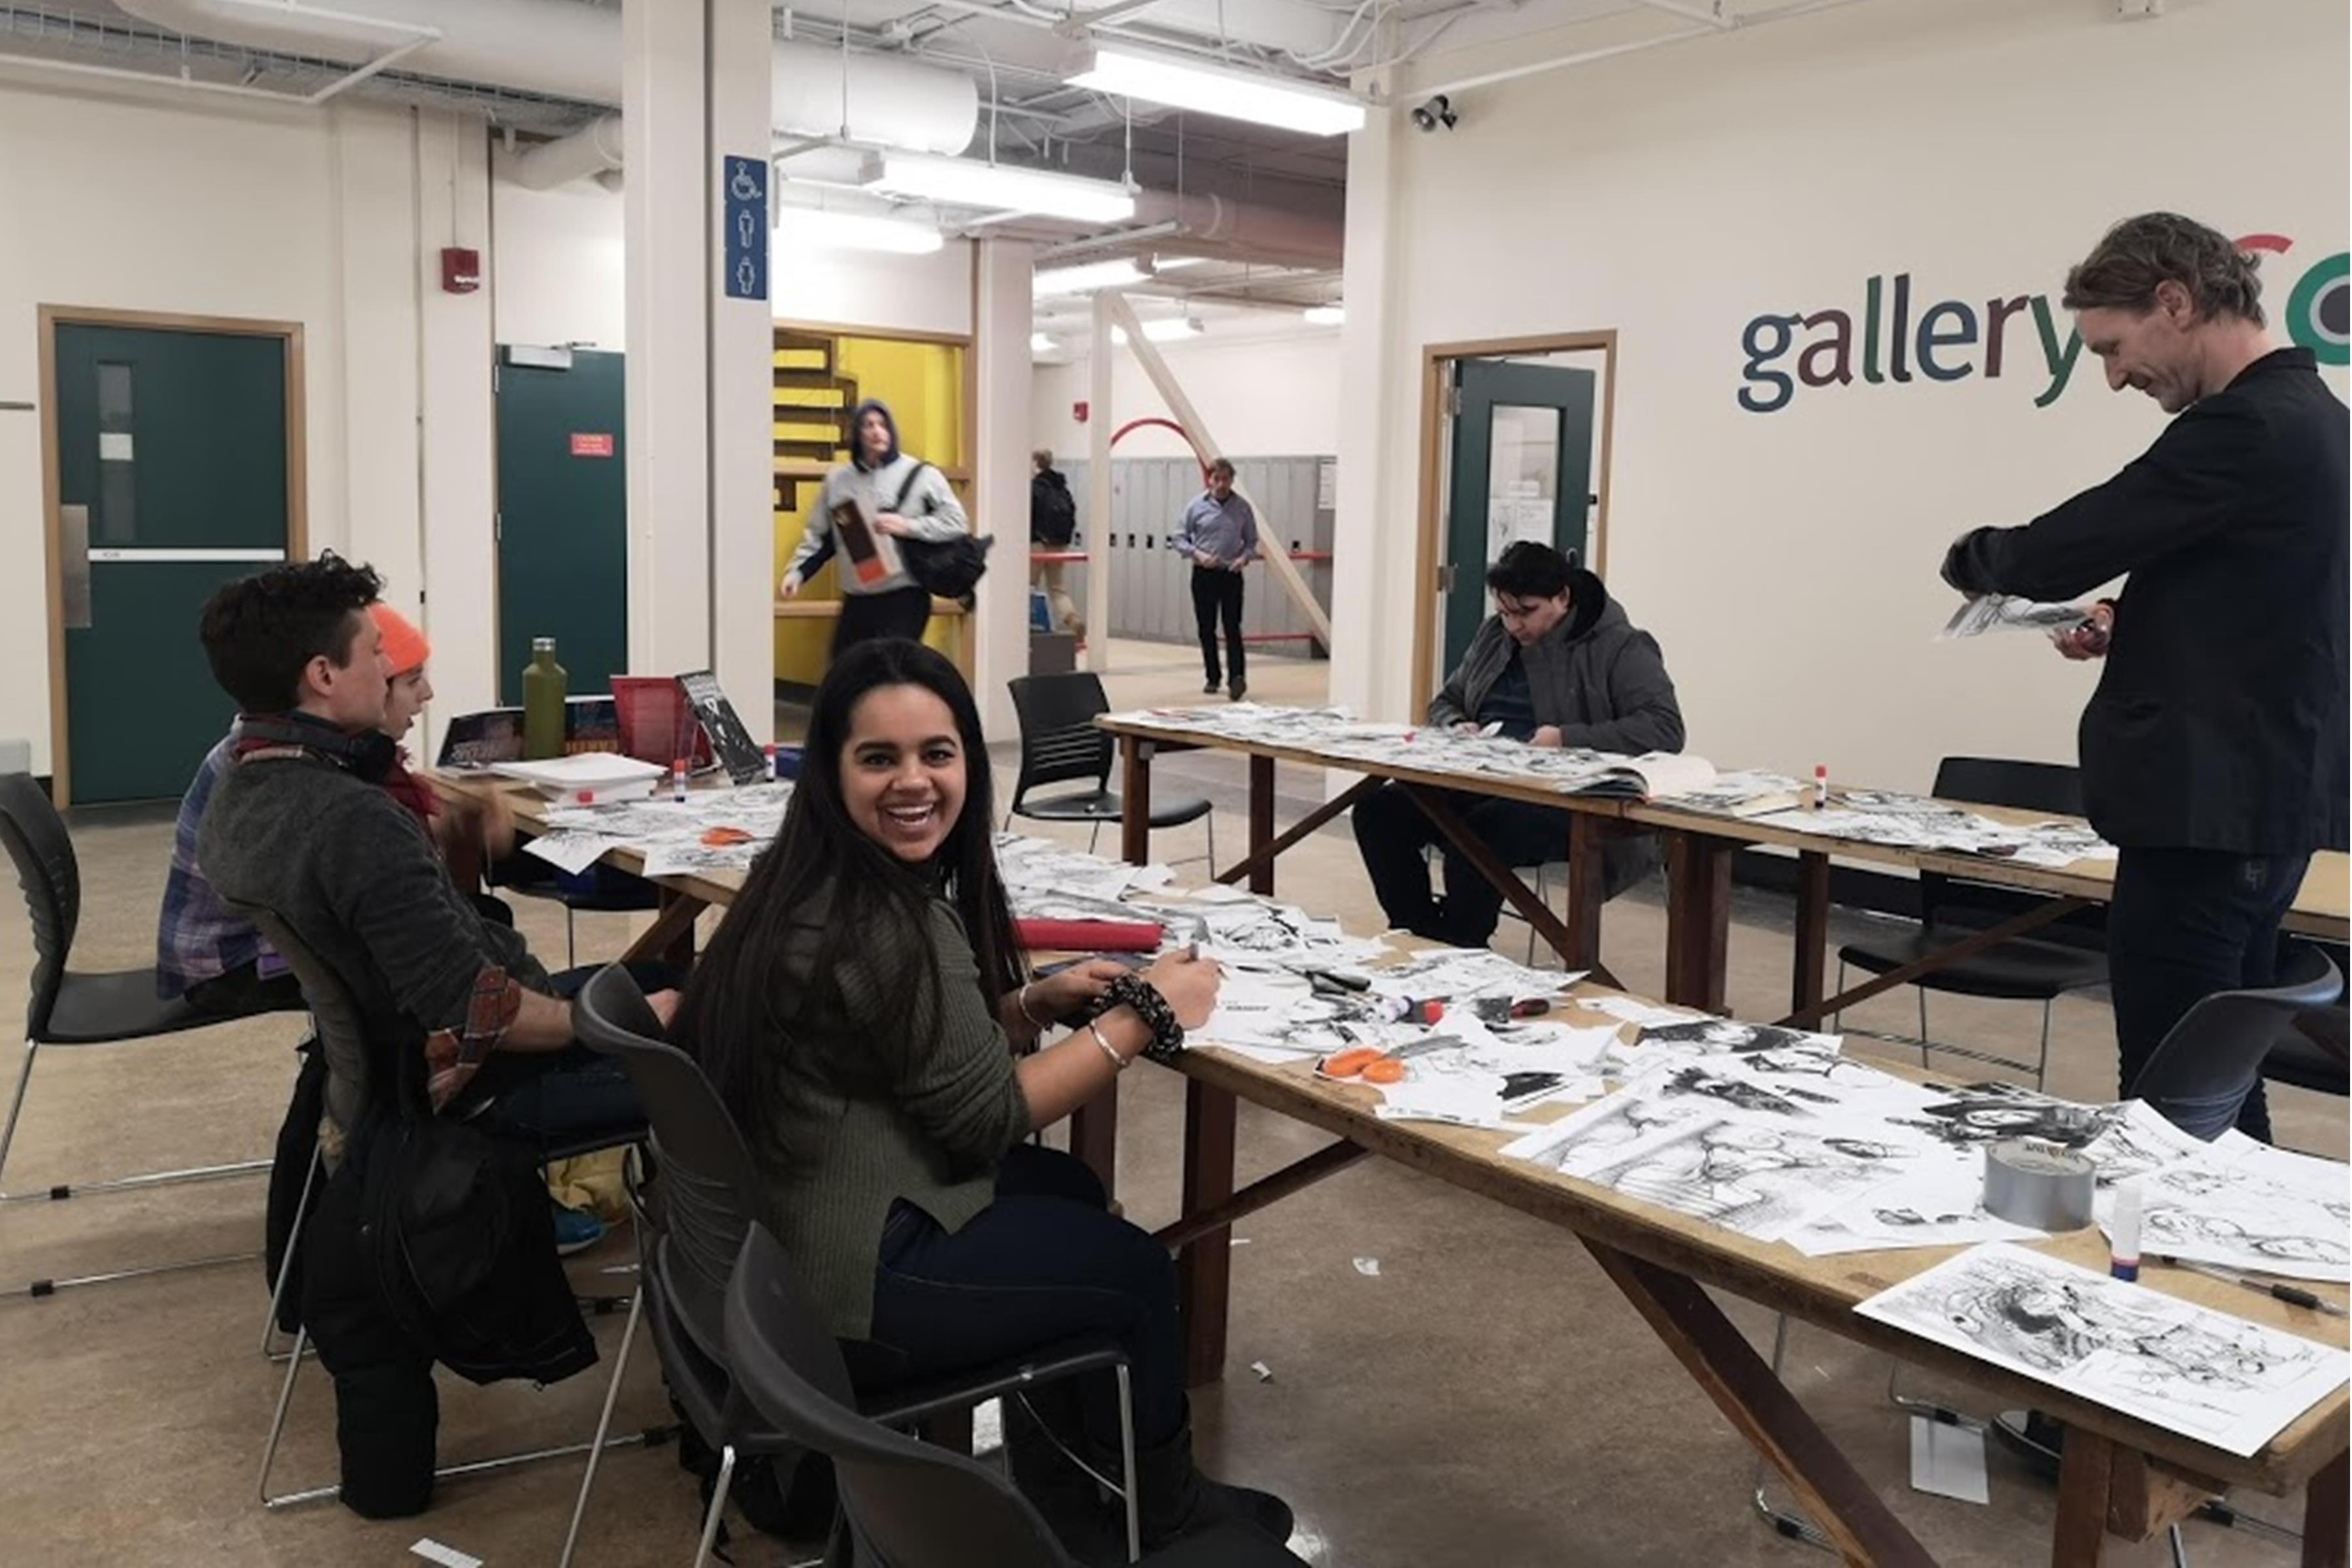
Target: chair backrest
(51, 878)
(910, 1504)
(2055, 788)
(342, 1036)
(707, 1188)
(1059, 742)
(2204, 1069)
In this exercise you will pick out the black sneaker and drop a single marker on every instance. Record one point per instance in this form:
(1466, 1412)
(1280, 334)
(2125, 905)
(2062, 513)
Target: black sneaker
(1241, 690)
(1209, 687)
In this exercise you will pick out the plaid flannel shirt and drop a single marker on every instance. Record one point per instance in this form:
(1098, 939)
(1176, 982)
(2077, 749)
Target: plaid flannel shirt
(196, 938)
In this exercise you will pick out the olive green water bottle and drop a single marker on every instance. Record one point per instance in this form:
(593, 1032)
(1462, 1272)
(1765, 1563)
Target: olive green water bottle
(542, 703)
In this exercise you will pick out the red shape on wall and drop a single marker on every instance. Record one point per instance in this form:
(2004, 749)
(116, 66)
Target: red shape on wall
(1078, 411)
(461, 269)
(598, 445)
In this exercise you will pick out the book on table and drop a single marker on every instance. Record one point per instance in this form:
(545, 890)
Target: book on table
(1742, 795)
(1653, 775)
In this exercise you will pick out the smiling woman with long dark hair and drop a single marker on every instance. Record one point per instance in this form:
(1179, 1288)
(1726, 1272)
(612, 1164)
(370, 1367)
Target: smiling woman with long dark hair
(859, 1011)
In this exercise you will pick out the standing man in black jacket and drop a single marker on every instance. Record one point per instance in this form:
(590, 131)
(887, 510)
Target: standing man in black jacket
(2214, 752)
(1053, 525)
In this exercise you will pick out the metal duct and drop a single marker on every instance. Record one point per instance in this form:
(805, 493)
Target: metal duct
(594, 149)
(569, 50)
(1277, 236)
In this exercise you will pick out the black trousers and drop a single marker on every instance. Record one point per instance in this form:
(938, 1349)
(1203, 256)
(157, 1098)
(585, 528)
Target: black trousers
(1217, 595)
(2184, 924)
(1046, 1261)
(901, 613)
(1393, 833)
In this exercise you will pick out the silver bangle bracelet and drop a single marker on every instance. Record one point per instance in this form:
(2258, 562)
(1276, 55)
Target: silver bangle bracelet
(1118, 1063)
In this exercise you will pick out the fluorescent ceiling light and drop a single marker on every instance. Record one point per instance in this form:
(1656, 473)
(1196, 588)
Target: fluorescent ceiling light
(1085, 280)
(1204, 88)
(855, 231)
(965, 182)
(1039, 343)
(1326, 315)
(1167, 329)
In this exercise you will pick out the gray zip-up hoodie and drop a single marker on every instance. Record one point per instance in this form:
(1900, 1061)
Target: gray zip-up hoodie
(1596, 676)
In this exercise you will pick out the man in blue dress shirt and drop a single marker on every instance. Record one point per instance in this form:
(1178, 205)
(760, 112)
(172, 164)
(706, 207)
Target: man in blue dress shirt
(1219, 537)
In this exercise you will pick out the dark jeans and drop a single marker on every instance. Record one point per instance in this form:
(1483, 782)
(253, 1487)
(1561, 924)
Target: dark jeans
(242, 991)
(2186, 924)
(1392, 832)
(901, 613)
(551, 1098)
(1044, 1261)
(1217, 595)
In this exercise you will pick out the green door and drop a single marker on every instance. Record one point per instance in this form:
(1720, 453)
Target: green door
(172, 479)
(1522, 468)
(563, 502)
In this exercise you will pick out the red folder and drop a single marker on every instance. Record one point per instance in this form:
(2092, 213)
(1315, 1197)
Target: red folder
(1087, 936)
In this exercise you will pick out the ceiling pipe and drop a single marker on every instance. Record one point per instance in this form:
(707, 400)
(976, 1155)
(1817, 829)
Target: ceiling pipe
(593, 150)
(566, 49)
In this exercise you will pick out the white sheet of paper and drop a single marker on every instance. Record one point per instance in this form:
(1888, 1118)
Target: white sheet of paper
(2210, 1375)
(433, 1551)
(1632, 1010)
(569, 850)
(2268, 1211)
(1947, 1460)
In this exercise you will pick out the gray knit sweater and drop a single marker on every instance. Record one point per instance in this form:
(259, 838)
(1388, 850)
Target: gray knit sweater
(352, 873)
(835, 1158)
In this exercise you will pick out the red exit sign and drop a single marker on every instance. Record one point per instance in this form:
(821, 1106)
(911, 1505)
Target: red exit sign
(597, 445)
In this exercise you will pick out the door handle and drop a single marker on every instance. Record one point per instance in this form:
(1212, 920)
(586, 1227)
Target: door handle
(73, 566)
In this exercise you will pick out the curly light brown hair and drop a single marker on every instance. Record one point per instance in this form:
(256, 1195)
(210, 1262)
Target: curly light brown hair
(2123, 270)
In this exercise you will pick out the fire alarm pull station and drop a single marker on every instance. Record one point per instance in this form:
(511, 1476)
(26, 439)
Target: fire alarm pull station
(461, 271)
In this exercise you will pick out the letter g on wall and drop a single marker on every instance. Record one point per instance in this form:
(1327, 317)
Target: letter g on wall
(1764, 339)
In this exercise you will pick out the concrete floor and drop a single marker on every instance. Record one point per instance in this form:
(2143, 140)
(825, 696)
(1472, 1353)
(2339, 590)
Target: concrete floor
(1486, 1399)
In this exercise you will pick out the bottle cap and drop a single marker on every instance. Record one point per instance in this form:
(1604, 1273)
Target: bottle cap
(542, 644)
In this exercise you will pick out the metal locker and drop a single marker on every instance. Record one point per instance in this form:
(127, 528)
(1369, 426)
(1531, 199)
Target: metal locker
(1173, 491)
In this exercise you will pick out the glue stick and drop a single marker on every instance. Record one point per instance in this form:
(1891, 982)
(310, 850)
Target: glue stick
(677, 780)
(2123, 1254)
(1820, 785)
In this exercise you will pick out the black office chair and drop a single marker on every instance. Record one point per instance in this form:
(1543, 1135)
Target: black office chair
(907, 1504)
(342, 1037)
(1060, 744)
(704, 1197)
(69, 1009)
(2212, 1059)
(2027, 969)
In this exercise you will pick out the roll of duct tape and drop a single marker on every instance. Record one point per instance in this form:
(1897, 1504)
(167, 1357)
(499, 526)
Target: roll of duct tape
(2027, 1182)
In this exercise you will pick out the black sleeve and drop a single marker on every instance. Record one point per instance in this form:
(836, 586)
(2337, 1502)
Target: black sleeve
(2194, 480)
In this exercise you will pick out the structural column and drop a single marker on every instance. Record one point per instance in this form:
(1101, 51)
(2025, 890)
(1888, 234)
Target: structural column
(1000, 325)
(1097, 513)
(695, 90)
(1373, 545)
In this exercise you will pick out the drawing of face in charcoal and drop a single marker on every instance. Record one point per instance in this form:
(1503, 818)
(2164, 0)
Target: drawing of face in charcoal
(1735, 1091)
(2039, 1323)
(1725, 1035)
(1986, 1118)
(2286, 1247)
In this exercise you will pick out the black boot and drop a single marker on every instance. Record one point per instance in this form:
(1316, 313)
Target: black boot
(1179, 1500)
(1090, 1527)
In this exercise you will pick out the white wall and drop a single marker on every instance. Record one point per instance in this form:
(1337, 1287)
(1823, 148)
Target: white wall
(556, 273)
(1786, 560)
(1261, 397)
(332, 219)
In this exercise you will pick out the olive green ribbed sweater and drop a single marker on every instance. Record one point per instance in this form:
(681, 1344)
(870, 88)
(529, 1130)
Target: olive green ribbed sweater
(835, 1159)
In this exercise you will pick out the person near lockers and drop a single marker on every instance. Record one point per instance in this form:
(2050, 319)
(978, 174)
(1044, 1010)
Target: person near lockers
(1219, 537)
(1053, 528)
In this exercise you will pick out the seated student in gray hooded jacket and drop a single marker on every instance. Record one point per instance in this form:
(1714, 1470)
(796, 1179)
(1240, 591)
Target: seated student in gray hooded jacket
(908, 498)
(1558, 665)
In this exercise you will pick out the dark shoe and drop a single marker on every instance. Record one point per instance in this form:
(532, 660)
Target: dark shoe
(1178, 1500)
(1208, 686)
(1241, 690)
(1090, 1527)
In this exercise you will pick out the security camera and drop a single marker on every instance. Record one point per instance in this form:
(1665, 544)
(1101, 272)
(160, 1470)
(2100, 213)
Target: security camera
(1437, 111)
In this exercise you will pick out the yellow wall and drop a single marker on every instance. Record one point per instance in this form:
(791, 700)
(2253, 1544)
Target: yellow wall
(923, 383)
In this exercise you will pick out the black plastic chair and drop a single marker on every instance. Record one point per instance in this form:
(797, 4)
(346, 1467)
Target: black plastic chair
(704, 1198)
(907, 1504)
(2203, 1069)
(1060, 744)
(336, 1019)
(2028, 969)
(69, 1009)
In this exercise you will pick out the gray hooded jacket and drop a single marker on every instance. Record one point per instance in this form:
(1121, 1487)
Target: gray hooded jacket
(1596, 676)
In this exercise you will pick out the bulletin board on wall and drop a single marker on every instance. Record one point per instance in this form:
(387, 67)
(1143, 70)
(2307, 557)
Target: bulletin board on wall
(821, 373)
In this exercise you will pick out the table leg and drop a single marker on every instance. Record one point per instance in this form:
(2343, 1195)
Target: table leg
(2328, 1516)
(1698, 918)
(1135, 801)
(1261, 823)
(1204, 1268)
(1719, 1359)
(1807, 986)
(2085, 1477)
(1586, 890)
(670, 939)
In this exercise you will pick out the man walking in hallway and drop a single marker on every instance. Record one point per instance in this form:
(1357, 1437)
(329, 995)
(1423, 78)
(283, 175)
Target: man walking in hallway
(1219, 537)
(1054, 526)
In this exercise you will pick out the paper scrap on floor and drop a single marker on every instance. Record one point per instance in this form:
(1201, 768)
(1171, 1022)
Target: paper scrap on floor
(2212, 1376)
(1948, 1459)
